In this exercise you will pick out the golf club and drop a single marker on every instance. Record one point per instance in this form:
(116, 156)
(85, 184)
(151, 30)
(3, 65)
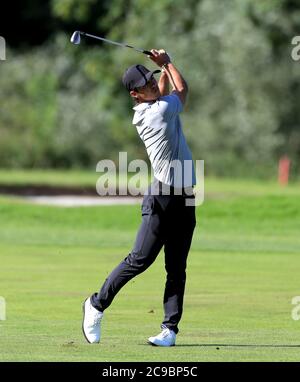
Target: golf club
(75, 39)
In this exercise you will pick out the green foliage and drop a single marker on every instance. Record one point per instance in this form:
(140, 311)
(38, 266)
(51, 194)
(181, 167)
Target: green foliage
(232, 119)
(54, 113)
(78, 10)
(65, 105)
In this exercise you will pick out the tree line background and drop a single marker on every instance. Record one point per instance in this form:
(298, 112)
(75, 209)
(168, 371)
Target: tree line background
(64, 106)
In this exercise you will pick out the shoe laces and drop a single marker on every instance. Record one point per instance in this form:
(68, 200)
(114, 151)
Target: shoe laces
(97, 318)
(165, 333)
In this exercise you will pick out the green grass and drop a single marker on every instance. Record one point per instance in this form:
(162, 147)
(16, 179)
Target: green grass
(49, 177)
(87, 178)
(242, 275)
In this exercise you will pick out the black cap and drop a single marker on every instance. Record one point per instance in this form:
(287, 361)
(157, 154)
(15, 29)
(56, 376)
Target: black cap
(137, 76)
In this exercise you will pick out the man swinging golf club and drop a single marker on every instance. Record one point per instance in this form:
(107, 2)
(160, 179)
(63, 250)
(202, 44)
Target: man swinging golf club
(167, 220)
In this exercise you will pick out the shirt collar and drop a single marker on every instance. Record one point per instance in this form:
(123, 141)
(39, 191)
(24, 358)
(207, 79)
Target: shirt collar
(143, 106)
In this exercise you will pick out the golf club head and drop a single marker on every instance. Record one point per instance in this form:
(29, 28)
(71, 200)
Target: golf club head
(75, 39)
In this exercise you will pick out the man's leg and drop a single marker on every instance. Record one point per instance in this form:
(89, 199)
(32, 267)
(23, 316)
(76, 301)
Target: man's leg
(181, 224)
(148, 244)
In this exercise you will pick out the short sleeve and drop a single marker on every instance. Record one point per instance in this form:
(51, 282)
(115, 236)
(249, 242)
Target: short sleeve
(170, 105)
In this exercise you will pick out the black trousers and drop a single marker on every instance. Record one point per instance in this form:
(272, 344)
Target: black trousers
(168, 222)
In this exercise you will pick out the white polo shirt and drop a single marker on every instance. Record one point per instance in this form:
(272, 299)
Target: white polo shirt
(159, 127)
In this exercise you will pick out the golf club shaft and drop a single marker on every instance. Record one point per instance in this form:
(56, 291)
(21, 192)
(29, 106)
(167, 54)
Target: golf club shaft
(147, 52)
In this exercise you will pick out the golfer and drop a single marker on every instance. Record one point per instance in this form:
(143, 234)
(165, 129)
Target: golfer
(167, 219)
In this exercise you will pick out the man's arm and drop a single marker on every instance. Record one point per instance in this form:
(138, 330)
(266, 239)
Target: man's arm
(179, 85)
(164, 83)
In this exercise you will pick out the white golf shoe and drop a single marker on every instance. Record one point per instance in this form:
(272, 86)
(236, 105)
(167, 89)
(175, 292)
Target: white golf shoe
(166, 338)
(91, 324)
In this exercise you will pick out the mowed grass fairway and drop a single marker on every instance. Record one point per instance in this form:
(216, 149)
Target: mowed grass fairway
(243, 272)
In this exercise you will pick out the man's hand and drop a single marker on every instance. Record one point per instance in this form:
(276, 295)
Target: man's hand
(160, 57)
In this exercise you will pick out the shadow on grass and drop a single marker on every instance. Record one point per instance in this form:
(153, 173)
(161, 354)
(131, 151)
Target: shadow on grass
(240, 345)
(233, 345)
